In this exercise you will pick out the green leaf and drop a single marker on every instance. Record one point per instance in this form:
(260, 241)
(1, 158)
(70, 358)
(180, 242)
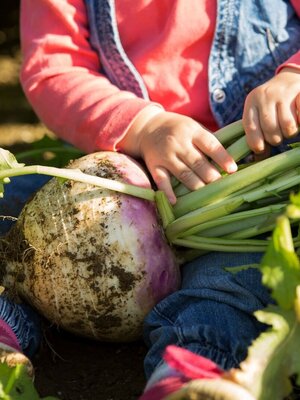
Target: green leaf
(164, 207)
(280, 265)
(273, 357)
(295, 199)
(293, 209)
(8, 160)
(49, 151)
(15, 384)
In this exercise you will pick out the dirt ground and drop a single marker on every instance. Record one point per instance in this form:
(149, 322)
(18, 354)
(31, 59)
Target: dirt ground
(77, 369)
(68, 367)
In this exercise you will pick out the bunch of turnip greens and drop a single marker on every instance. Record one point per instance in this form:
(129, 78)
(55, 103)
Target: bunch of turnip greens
(236, 212)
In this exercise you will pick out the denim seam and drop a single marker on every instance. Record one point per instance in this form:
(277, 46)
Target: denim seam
(205, 345)
(163, 316)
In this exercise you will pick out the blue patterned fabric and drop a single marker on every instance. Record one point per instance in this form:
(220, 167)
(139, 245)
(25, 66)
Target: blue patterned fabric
(24, 322)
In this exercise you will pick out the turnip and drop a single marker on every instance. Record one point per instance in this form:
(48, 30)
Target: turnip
(92, 260)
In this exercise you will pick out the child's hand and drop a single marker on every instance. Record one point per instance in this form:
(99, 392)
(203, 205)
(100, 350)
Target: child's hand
(173, 144)
(271, 111)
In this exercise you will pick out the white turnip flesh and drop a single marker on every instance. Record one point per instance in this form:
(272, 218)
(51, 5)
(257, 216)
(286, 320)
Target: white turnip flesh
(91, 260)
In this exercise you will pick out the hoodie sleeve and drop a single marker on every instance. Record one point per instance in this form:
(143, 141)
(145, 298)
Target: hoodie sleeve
(59, 75)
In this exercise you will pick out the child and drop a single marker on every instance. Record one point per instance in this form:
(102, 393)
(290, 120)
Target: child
(154, 79)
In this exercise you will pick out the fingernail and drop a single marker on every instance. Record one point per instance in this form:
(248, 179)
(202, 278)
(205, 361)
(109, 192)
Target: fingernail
(259, 146)
(214, 175)
(232, 168)
(172, 200)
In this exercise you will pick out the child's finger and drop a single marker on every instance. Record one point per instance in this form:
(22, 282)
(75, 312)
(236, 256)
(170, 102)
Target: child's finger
(287, 117)
(269, 123)
(198, 164)
(254, 133)
(162, 180)
(186, 175)
(211, 147)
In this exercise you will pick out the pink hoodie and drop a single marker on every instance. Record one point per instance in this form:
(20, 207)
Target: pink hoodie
(60, 70)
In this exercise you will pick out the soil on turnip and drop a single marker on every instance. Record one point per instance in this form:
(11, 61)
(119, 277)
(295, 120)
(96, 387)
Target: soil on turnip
(66, 366)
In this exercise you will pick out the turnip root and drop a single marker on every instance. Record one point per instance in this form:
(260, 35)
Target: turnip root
(92, 260)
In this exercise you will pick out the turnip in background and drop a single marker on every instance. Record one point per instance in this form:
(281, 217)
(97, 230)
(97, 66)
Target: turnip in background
(92, 260)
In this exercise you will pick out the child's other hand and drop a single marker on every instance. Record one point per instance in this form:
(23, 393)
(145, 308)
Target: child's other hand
(271, 111)
(173, 144)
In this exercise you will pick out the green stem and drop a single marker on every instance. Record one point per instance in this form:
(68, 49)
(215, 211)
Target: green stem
(164, 208)
(254, 230)
(217, 244)
(197, 217)
(218, 190)
(77, 175)
(181, 190)
(183, 225)
(174, 182)
(272, 189)
(239, 149)
(235, 222)
(230, 132)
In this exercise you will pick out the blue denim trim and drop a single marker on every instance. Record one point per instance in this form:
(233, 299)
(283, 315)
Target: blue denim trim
(24, 322)
(106, 40)
(212, 313)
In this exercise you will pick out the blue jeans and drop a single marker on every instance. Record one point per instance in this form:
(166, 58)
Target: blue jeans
(212, 313)
(22, 319)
